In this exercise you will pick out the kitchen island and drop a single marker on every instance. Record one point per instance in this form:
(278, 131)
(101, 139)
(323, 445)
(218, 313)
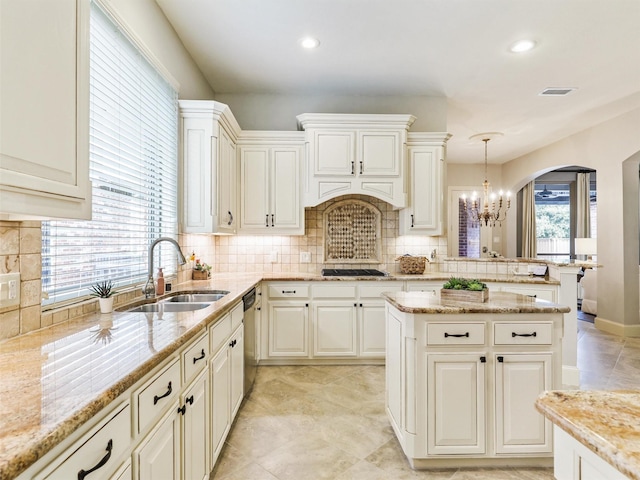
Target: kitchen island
(462, 378)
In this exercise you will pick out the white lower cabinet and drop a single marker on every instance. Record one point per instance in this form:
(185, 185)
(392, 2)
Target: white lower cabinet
(195, 432)
(325, 320)
(227, 384)
(456, 403)
(520, 378)
(124, 472)
(158, 456)
(464, 385)
(334, 329)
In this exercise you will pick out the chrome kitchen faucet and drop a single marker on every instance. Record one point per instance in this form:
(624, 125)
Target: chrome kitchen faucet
(149, 289)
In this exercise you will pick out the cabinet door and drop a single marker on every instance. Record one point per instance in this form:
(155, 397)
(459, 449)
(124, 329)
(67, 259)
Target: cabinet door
(379, 154)
(124, 472)
(285, 202)
(456, 403)
(237, 370)
(226, 182)
(520, 378)
(288, 329)
(158, 456)
(44, 86)
(424, 215)
(254, 178)
(195, 429)
(372, 341)
(334, 329)
(220, 400)
(394, 371)
(334, 153)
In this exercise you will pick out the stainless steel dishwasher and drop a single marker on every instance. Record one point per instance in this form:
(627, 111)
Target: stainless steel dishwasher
(250, 351)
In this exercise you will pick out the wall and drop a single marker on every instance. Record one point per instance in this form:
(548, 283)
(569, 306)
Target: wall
(605, 148)
(251, 253)
(278, 112)
(145, 18)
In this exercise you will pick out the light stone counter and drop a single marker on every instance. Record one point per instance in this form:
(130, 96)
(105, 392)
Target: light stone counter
(55, 379)
(606, 422)
(498, 302)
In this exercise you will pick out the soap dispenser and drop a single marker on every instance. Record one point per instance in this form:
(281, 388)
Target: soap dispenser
(160, 282)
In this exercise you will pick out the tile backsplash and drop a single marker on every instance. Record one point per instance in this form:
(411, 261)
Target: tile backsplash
(254, 253)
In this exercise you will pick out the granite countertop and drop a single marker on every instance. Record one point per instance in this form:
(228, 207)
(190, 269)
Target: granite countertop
(498, 302)
(55, 379)
(424, 277)
(606, 422)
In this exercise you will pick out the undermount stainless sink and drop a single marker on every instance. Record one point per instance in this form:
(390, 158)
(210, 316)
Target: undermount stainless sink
(169, 307)
(213, 296)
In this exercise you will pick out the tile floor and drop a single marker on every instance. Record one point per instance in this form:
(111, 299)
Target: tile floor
(328, 422)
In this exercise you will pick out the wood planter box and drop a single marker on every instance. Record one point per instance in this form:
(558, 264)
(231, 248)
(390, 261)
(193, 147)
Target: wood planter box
(478, 296)
(199, 275)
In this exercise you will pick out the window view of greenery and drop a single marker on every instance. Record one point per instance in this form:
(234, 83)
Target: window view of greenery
(553, 222)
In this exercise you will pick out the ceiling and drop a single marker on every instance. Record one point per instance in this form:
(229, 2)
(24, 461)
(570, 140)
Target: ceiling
(458, 49)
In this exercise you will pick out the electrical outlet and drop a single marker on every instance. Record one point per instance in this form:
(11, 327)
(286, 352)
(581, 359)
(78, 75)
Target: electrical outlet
(305, 257)
(273, 257)
(9, 289)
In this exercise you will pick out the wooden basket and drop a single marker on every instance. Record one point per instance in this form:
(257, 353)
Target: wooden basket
(450, 295)
(199, 275)
(413, 265)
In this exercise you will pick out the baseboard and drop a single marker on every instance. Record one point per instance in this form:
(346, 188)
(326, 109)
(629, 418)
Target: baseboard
(570, 376)
(617, 328)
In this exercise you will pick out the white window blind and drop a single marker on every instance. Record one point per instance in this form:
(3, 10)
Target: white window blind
(133, 169)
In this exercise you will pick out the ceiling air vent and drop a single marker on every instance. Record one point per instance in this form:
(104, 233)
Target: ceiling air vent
(556, 92)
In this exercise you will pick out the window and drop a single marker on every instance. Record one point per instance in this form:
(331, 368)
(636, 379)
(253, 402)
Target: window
(133, 170)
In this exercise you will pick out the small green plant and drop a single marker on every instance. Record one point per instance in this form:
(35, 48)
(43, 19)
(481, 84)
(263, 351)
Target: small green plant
(464, 284)
(102, 289)
(202, 267)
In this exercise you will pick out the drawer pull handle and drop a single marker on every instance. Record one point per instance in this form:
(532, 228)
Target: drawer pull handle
(168, 392)
(501, 359)
(412, 224)
(230, 218)
(288, 291)
(272, 220)
(361, 167)
(202, 355)
(353, 168)
(446, 335)
(267, 220)
(189, 400)
(514, 334)
(100, 464)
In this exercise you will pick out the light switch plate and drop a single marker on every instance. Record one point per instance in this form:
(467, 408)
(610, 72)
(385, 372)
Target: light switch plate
(9, 289)
(305, 257)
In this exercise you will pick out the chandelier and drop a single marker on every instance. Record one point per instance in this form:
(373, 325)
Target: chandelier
(494, 207)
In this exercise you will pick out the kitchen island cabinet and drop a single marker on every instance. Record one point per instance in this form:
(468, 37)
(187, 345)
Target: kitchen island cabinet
(462, 378)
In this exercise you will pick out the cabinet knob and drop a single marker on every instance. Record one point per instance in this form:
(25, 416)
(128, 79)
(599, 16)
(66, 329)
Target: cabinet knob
(500, 358)
(483, 359)
(182, 409)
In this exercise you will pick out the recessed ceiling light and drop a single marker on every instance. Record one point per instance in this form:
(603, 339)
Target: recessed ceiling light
(309, 42)
(522, 46)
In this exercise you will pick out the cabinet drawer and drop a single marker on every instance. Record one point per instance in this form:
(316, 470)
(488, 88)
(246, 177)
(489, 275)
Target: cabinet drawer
(455, 333)
(374, 291)
(220, 332)
(195, 358)
(110, 442)
(334, 290)
(237, 315)
(523, 333)
(289, 291)
(157, 394)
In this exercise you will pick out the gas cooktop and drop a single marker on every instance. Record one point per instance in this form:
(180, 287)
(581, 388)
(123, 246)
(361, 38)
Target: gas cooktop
(352, 272)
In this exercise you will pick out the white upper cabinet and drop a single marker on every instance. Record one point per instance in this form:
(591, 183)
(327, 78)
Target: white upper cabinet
(44, 112)
(209, 134)
(425, 212)
(355, 154)
(270, 188)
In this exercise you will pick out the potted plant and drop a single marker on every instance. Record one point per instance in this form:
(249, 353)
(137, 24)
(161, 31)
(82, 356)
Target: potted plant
(464, 290)
(104, 292)
(201, 271)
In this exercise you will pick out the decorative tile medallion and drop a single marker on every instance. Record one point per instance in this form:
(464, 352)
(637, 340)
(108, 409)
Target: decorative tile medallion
(352, 232)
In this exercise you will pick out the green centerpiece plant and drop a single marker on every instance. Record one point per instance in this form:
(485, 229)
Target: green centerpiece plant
(464, 290)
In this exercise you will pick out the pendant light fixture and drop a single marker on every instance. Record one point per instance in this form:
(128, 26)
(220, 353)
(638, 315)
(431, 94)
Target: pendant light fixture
(489, 209)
